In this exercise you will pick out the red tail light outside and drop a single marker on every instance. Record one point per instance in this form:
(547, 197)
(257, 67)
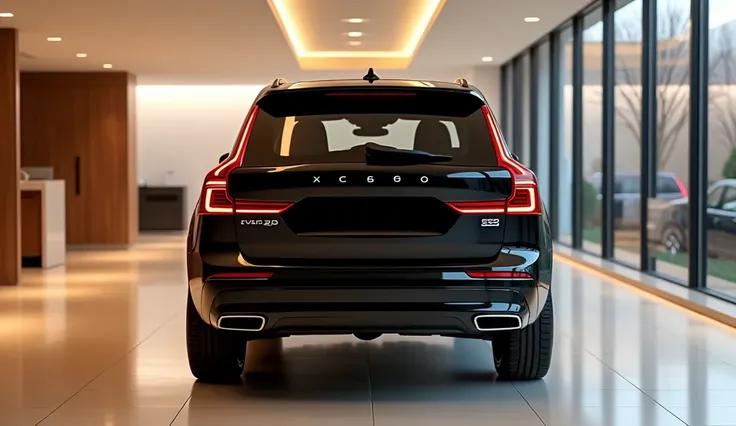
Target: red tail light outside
(215, 200)
(524, 198)
(681, 186)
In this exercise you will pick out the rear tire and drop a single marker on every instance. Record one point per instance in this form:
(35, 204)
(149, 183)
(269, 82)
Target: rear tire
(215, 356)
(526, 354)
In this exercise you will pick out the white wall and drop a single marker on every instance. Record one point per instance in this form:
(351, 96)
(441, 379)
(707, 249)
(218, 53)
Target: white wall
(183, 130)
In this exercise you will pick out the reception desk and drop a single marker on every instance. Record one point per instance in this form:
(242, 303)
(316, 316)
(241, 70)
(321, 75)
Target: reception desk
(43, 223)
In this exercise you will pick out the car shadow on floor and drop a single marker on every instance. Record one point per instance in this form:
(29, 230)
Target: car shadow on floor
(423, 370)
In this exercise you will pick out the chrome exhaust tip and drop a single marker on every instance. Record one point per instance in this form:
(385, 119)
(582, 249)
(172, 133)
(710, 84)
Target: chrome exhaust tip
(497, 322)
(241, 322)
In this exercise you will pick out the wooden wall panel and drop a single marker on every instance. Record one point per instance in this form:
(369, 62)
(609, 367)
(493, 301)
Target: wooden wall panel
(79, 124)
(31, 205)
(9, 159)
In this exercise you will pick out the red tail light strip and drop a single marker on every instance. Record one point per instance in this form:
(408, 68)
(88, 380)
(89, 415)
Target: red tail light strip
(242, 275)
(215, 199)
(236, 158)
(479, 207)
(499, 275)
(525, 194)
(261, 207)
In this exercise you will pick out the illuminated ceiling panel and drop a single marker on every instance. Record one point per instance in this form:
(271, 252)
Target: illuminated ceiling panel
(392, 31)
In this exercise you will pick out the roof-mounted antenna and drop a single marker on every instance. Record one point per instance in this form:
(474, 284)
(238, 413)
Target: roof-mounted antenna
(278, 83)
(371, 76)
(462, 82)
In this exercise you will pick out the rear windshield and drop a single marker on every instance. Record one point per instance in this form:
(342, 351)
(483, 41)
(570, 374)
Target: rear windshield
(333, 127)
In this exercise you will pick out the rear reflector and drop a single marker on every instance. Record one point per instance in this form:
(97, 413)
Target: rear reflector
(479, 207)
(499, 275)
(242, 275)
(261, 207)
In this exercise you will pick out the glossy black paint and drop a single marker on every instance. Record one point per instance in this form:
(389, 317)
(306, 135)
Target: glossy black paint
(399, 204)
(407, 300)
(333, 284)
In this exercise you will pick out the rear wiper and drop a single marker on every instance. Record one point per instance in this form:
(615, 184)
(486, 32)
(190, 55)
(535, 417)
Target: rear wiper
(381, 155)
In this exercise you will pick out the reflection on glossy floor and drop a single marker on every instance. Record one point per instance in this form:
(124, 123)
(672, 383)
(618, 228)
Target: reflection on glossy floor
(102, 343)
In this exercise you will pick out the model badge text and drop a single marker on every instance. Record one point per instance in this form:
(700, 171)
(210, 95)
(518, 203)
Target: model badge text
(259, 222)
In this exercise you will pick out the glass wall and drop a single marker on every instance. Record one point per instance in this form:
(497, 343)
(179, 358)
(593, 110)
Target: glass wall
(627, 131)
(525, 138)
(508, 112)
(672, 155)
(543, 115)
(564, 164)
(720, 222)
(652, 151)
(592, 129)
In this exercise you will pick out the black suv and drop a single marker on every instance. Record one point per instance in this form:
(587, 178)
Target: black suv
(366, 207)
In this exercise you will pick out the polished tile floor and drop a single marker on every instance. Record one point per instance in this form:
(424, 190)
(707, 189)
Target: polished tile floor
(101, 343)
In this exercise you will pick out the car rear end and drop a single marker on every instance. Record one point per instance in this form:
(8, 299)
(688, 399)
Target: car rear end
(306, 229)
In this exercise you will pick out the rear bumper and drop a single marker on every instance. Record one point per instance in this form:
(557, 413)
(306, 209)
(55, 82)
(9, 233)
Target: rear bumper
(416, 307)
(382, 299)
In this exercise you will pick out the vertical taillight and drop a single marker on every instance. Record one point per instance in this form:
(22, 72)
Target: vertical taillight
(214, 199)
(524, 199)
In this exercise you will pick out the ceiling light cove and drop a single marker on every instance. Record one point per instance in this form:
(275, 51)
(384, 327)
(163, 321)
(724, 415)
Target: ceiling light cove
(317, 46)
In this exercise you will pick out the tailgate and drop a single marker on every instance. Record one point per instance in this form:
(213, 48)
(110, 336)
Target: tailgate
(360, 215)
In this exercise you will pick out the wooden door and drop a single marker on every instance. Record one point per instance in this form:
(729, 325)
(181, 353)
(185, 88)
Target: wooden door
(77, 123)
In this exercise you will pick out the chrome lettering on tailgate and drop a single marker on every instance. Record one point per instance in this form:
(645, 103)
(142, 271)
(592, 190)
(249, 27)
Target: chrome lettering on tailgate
(259, 222)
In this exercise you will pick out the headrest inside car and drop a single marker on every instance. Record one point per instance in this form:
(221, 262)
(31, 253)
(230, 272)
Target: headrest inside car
(434, 137)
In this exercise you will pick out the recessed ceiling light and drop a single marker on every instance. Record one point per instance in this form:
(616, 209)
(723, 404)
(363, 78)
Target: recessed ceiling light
(487, 59)
(108, 66)
(81, 55)
(355, 20)
(53, 38)
(355, 42)
(6, 15)
(531, 19)
(355, 34)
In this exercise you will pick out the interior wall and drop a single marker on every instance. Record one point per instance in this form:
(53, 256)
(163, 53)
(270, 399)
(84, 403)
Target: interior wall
(183, 130)
(79, 124)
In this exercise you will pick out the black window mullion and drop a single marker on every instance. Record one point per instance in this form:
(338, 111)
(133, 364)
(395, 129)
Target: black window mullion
(517, 134)
(555, 62)
(533, 108)
(505, 112)
(608, 137)
(648, 118)
(577, 132)
(697, 242)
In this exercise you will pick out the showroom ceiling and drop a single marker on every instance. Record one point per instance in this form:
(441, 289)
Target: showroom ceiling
(252, 41)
